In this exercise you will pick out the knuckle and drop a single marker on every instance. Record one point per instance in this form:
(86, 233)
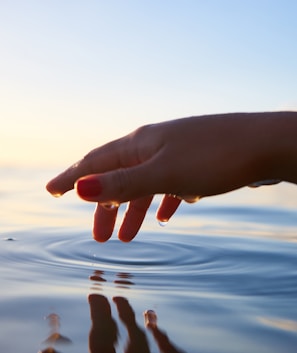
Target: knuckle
(88, 162)
(144, 142)
(122, 181)
(142, 131)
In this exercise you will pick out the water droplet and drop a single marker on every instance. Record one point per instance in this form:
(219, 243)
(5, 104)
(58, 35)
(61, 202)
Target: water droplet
(57, 194)
(163, 223)
(191, 199)
(111, 205)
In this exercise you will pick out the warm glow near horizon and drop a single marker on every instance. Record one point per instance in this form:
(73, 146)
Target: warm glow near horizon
(75, 76)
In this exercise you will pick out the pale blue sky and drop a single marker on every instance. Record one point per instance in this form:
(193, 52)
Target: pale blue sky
(75, 74)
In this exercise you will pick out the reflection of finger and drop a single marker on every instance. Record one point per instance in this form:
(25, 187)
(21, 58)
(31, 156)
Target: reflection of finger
(164, 344)
(126, 313)
(150, 318)
(103, 333)
(98, 276)
(137, 341)
(104, 221)
(100, 309)
(124, 280)
(163, 341)
(167, 208)
(133, 218)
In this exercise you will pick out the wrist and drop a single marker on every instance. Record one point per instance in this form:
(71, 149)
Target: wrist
(279, 137)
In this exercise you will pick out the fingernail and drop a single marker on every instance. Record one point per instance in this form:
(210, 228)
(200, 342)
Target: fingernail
(88, 187)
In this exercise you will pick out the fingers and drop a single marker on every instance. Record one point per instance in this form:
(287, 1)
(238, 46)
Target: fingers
(105, 218)
(170, 203)
(168, 206)
(126, 313)
(107, 181)
(125, 152)
(104, 221)
(104, 332)
(137, 341)
(163, 342)
(120, 185)
(99, 307)
(99, 160)
(133, 218)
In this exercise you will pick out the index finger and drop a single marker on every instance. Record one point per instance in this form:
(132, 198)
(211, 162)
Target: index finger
(124, 152)
(112, 155)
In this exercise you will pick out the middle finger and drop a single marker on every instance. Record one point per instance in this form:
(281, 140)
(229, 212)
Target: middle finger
(104, 221)
(134, 217)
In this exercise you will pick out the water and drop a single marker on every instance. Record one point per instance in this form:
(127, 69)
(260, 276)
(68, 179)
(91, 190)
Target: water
(221, 276)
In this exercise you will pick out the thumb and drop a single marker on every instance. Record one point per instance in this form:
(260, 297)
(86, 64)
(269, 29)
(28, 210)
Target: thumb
(118, 186)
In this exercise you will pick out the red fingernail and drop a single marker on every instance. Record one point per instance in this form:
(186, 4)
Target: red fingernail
(89, 187)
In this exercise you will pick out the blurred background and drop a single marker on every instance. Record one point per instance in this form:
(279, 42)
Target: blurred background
(76, 74)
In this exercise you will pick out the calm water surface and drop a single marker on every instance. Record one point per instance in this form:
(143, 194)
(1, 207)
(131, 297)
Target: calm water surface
(221, 276)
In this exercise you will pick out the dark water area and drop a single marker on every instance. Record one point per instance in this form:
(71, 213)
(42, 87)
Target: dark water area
(221, 276)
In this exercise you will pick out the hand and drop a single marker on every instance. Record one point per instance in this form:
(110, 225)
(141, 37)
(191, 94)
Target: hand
(104, 331)
(185, 159)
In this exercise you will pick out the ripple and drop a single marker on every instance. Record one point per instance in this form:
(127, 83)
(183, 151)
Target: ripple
(184, 262)
(140, 256)
(148, 255)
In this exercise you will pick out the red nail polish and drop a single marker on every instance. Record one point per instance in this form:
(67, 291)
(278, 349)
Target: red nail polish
(89, 187)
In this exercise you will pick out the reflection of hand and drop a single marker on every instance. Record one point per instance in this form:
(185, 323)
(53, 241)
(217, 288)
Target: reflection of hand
(137, 341)
(55, 337)
(164, 344)
(103, 333)
(198, 156)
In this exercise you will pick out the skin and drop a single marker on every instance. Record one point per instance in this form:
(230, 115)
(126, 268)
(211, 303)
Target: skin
(189, 158)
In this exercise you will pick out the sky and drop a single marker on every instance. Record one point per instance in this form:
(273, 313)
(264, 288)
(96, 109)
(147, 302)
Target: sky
(77, 74)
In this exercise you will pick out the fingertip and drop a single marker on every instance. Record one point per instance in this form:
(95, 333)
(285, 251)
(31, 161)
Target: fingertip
(127, 232)
(161, 219)
(50, 187)
(92, 297)
(101, 237)
(116, 299)
(104, 221)
(126, 238)
(167, 208)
